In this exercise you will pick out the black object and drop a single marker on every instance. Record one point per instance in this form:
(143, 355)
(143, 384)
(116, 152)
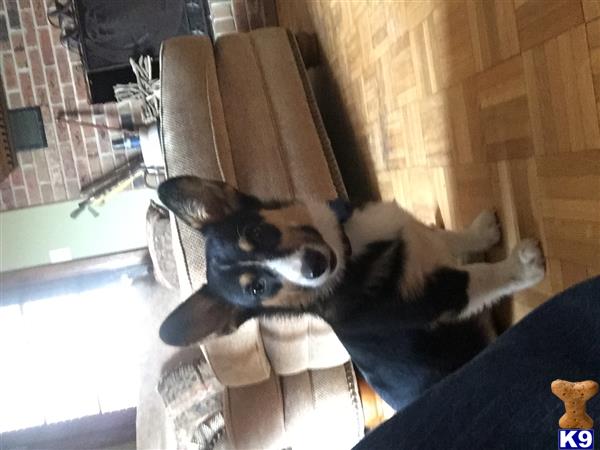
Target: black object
(502, 399)
(27, 128)
(61, 15)
(112, 31)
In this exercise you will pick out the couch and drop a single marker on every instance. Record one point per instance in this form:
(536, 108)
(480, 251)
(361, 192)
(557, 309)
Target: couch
(243, 111)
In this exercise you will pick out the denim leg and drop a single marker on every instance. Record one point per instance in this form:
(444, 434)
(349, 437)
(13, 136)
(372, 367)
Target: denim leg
(502, 398)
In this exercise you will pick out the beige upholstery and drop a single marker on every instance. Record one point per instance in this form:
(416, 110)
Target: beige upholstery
(295, 345)
(244, 112)
(239, 359)
(315, 409)
(195, 138)
(270, 120)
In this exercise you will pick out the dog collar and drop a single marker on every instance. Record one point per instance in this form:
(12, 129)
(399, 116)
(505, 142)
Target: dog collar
(343, 210)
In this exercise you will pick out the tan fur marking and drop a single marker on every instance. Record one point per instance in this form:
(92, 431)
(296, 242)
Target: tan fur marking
(286, 219)
(289, 296)
(245, 245)
(245, 279)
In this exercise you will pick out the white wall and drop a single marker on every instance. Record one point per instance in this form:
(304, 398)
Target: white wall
(28, 236)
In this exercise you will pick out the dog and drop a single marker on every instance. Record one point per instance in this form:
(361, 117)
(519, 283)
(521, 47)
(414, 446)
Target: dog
(391, 288)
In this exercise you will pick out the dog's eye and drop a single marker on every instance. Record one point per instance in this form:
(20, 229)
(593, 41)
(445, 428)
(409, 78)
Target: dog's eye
(264, 235)
(257, 287)
(311, 232)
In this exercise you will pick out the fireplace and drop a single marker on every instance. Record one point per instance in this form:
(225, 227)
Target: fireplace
(112, 31)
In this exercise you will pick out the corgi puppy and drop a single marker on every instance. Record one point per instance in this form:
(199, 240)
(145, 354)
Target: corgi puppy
(391, 287)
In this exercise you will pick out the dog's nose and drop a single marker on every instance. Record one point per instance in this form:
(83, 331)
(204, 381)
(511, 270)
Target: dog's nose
(314, 264)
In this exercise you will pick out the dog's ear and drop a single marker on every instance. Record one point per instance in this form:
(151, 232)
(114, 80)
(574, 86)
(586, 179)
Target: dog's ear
(197, 201)
(198, 317)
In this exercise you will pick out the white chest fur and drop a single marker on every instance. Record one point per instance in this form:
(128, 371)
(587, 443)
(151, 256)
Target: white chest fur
(386, 221)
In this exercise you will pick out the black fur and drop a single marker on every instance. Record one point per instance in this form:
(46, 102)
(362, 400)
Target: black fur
(400, 363)
(393, 340)
(224, 256)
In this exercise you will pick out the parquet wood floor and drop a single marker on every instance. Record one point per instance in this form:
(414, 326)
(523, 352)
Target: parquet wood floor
(463, 105)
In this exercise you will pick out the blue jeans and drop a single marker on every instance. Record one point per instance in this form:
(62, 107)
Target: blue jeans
(502, 398)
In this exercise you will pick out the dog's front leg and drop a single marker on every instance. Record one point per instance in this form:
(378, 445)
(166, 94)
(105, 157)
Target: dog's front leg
(489, 282)
(481, 235)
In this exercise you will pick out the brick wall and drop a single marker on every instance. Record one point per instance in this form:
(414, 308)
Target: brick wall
(38, 71)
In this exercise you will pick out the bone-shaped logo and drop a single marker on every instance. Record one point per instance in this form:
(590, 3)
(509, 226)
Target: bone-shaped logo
(575, 396)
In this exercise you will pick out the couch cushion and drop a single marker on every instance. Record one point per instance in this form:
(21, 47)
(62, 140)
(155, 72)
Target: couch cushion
(193, 135)
(294, 345)
(275, 146)
(312, 409)
(289, 99)
(255, 141)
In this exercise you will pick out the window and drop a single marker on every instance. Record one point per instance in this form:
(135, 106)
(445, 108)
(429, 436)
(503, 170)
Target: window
(69, 352)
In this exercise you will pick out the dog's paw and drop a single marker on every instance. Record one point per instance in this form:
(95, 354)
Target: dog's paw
(528, 262)
(487, 229)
